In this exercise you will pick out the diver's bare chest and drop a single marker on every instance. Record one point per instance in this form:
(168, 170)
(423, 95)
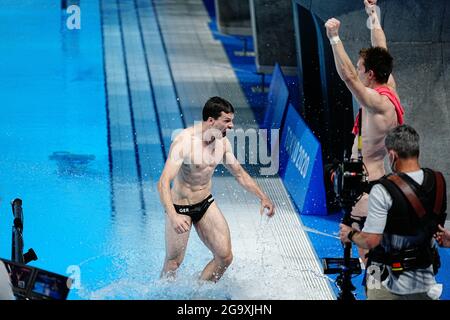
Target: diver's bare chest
(205, 158)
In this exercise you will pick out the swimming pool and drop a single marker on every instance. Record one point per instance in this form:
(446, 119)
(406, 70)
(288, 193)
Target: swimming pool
(53, 100)
(101, 221)
(54, 114)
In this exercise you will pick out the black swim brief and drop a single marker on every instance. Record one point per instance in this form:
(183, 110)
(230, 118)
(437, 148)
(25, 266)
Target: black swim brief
(195, 211)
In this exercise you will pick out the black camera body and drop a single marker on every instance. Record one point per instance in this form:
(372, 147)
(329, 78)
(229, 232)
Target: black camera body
(350, 181)
(31, 283)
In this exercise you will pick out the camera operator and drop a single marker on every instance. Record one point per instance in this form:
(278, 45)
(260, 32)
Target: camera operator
(373, 86)
(6, 292)
(405, 209)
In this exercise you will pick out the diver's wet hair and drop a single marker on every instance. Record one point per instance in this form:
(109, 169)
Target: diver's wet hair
(379, 60)
(214, 107)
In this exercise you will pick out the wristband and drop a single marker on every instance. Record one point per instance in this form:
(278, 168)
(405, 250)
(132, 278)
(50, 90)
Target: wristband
(351, 234)
(335, 40)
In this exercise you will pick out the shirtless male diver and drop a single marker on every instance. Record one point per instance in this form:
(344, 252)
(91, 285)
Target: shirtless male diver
(193, 156)
(373, 86)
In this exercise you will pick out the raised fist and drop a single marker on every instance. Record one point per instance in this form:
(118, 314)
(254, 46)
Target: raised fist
(332, 26)
(370, 6)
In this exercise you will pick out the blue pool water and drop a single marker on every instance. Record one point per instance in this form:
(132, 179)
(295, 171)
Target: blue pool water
(53, 100)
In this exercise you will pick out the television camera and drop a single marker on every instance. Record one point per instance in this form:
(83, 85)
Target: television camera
(30, 283)
(349, 180)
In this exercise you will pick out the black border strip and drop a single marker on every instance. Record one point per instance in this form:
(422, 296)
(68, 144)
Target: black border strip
(130, 105)
(168, 62)
(152, 91)
(108, 121)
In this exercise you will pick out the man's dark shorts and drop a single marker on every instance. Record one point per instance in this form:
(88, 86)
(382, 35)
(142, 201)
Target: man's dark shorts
(195, 211)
